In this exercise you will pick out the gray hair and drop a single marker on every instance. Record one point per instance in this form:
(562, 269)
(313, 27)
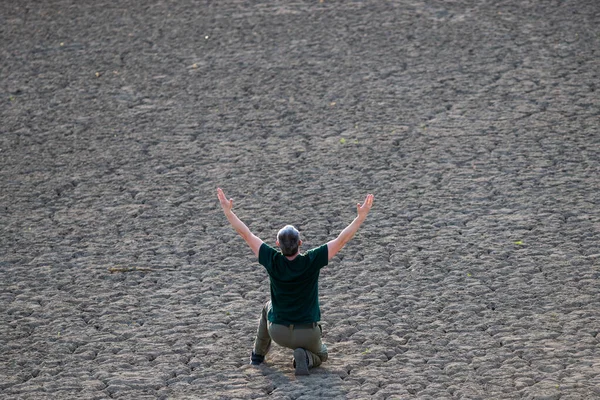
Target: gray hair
(289, 240)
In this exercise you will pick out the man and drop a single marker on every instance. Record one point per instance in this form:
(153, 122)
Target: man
(291, 318)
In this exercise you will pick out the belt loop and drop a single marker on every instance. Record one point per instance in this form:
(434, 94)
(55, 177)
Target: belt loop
(291, 327)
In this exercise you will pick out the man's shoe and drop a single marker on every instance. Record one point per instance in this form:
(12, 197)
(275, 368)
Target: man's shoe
(301, 361)
(256, 359)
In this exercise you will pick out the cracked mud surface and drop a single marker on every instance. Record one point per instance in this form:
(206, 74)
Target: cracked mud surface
(474, 123)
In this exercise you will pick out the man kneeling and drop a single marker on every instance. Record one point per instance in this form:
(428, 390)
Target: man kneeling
(291, 318)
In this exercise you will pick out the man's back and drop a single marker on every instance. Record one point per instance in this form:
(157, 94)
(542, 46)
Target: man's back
(294, 284)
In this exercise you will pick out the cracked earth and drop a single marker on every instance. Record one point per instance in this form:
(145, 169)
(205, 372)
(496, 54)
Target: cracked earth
(474, 123)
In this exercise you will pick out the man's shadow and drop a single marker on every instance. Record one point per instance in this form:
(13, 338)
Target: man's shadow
(322, 381)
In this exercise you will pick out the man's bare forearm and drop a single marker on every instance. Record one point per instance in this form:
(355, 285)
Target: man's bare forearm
(351, 229)
(227, 204)
(238, 225)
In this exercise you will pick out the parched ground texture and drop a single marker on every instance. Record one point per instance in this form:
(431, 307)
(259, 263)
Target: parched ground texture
(474, 123)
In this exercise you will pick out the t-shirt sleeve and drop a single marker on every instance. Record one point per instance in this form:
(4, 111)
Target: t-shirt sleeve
(319, 256)
(265, 256)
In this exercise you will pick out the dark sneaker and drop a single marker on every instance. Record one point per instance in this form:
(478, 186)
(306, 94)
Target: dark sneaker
(301, 361)
(256, 359)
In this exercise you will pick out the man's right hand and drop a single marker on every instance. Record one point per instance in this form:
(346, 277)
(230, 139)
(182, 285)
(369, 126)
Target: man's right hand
(253, 241)
(364, 209)
(225, 203)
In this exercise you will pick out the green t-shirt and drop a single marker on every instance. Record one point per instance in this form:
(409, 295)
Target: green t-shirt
(294, 284)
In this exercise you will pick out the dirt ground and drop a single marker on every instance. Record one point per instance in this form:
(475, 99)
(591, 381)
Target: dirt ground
(474, 123)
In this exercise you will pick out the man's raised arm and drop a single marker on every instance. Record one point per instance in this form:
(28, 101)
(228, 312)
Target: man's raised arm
(253, 241)
(334, 246)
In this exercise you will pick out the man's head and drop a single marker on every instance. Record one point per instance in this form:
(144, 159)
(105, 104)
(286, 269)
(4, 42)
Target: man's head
(288, 240)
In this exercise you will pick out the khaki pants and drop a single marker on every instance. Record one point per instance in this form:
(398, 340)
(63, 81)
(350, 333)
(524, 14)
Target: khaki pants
(293, 337)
